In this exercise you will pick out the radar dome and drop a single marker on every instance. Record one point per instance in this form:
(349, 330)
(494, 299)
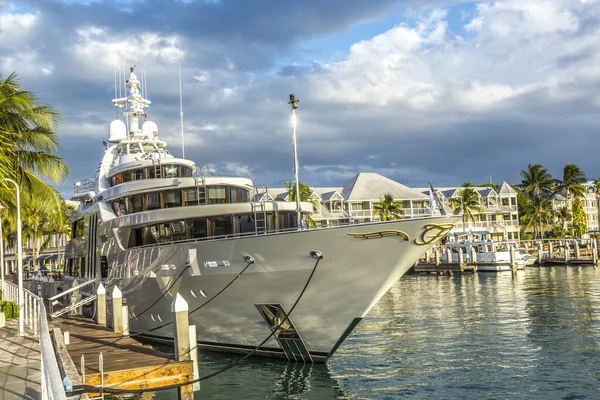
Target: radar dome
(117, 131)
(150, 129)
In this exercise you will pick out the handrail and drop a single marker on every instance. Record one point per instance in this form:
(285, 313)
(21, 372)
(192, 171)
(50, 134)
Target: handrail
(52, 387)
(61, 294)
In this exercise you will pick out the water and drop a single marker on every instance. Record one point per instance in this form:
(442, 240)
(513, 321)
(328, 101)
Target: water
(535, 334)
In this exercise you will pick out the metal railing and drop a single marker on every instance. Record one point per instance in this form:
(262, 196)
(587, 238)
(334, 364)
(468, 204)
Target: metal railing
(82, 187)
(53, 299)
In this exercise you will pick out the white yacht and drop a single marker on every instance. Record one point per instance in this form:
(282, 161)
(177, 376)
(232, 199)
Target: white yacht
(488, 255)
(150, 223)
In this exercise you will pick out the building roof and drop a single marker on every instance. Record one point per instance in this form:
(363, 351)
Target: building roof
(372, 186)
(506, 189)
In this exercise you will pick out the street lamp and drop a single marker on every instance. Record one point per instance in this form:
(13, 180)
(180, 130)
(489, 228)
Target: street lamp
(294, 106)
(19, 256)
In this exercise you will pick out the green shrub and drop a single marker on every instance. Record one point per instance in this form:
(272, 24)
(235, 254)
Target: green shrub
(10, 309)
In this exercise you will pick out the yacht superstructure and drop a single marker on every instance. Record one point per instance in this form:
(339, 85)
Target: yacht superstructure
(152, 224)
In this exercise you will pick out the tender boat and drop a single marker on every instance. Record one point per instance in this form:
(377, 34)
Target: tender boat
(155, 226)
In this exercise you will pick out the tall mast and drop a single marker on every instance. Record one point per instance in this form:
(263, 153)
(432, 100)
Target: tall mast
(134, 104)
(181, 114)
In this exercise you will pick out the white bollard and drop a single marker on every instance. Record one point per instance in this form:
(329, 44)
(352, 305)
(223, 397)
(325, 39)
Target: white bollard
(117, 308)
(101, 302)
(181, 331)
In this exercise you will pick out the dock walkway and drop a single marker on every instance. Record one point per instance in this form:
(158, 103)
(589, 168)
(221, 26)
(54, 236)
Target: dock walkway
(20, 373)
(127, 363)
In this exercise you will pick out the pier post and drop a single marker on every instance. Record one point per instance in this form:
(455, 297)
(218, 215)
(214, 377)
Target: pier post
(550, 249)
(595, 252)
(179, 308)
(448, 255)
(513, 258)
(427, 257)
(117, 308)
(461, 258)
(576, 249)
(101, 302)
(541, 252)
(194, 356)
(437, 257)
(473, 255)
(567, 252)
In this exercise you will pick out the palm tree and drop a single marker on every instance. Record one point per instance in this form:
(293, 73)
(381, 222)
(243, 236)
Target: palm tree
(388, 209)
(536, 180)
(573, 182)
(466, 202)
(28, 142)
(564, 215)
(538, 213)
(597, 193)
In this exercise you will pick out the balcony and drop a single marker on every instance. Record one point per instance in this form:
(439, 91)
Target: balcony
(361, 213)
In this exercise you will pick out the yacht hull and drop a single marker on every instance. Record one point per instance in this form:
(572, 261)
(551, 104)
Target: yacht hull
(331, 295)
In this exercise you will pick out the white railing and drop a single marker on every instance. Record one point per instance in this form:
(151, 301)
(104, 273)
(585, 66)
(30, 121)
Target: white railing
(34, 313)
(486, 224)
(361, 213)
(51, 382)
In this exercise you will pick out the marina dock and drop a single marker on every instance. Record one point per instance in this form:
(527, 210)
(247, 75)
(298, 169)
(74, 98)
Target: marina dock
(125, 363)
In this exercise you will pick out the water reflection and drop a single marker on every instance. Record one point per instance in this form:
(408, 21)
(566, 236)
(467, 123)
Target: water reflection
(260, 378)
(529, 334)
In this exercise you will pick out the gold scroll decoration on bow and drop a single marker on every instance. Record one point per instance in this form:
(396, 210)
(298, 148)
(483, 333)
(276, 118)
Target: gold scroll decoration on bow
(432, 233)
(380, 234)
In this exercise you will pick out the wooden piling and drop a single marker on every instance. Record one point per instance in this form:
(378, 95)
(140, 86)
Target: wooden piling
(437, 256)
(473, 255)
(513, 258)
(181, 330)
(576, 249)
(101, 302)
(550, 249)
(595, 252)
(540, 247)
(448, 255)
(461, 259)
(567, 252)
(117, 309)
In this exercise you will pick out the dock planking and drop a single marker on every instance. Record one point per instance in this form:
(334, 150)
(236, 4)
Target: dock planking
(128, 364)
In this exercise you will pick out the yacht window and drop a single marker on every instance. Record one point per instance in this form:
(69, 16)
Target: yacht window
(139, 174)
(135, 148)
(170, 171)
(178, 230)
(153, 200)
(137, 203)
(186, 172)
(118, 179)
(216, 195)
(164, 233)
(151, 173)
(190, 197)
(126, 176)
(172, 198)
(198, 228)
(221, 226)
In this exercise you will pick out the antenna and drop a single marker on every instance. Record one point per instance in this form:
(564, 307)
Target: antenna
(145, 86)
(116, 105)
(120, 85)
(181, 114)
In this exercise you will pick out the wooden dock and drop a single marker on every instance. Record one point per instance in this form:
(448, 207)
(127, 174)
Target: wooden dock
(127, 363)
(444, 268)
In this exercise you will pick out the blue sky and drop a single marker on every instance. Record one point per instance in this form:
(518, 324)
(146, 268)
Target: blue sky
(417, 90)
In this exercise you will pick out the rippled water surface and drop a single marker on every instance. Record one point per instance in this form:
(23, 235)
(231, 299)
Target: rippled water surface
(534, 334)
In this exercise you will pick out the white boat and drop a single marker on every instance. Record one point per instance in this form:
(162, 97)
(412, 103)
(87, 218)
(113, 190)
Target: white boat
(152, 225)
(487, 254)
